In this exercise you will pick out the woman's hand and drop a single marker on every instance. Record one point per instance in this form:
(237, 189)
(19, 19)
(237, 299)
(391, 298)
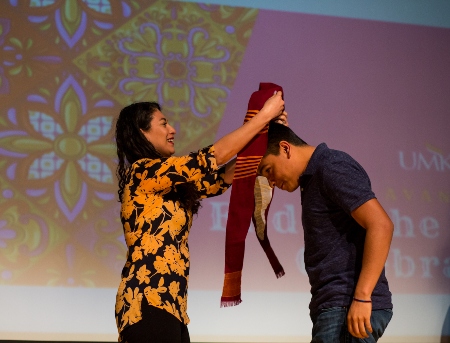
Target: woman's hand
(229, 145)
(273, 107)
(282, 119)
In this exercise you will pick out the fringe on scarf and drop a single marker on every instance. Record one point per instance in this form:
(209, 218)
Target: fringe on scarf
(280, 274)
(228, 302)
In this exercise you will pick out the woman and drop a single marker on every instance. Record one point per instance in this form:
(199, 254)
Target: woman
(159, 195)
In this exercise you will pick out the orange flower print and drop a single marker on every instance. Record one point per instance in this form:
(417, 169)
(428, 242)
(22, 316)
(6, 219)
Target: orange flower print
(183, 307)
(142, 176)
(120, 303)
(161, 265)
(150, 162)
(142, 275)
(133, 315)
(153, 209)
(174, 288)
(183, 246)
(180, 163)
(153, 294)
(178, 267)
(171, 309)
(165, 166)
(131, 236)
(178, 219)
(154, 200)
(212, 188)
(171, 254)
(137, 254)
(174, 260)
(192, 174)
(127, 204)
(213, 163)
(155, 184)
(212, 159)
(150, 243)
(201, 159)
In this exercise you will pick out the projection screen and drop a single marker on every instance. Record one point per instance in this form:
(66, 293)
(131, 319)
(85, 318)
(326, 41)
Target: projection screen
(368, 78)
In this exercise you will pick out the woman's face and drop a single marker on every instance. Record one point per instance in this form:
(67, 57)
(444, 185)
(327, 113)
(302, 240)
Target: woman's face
(161, 134)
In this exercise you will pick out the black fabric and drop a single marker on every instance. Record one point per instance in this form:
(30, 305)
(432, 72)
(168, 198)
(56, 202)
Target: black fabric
(156, 326)
(332, 186)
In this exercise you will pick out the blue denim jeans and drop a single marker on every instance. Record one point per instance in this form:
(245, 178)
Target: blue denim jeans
(330, 326)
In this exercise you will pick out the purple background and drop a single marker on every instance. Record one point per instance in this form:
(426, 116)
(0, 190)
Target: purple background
(379, 91)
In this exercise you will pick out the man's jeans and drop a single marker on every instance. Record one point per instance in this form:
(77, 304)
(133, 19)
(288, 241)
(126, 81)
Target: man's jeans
(330, 326)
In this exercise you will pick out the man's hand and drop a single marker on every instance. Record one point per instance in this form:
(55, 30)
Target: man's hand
(379, 230)
(358, 319)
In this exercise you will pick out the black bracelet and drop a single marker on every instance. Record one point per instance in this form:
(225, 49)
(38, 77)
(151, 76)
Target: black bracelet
(362, 301)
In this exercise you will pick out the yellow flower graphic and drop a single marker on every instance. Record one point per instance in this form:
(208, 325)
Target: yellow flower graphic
(178, 220)
(183, 246)
(150, 243)
(137, 254)
(201, 159)
(128, 206)
(142, 275)
(152, 210)
(120, 303)
(174, 260)
(131, 236)
(174, 288)
(152, 294)
(171, 309)
(192, 174)
(133, 315)
(212, 188)
(183, 307)
(161, 265)
(155, 184)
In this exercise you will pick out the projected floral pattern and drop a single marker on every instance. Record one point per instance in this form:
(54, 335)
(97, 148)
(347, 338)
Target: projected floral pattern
(66, 69)
(60, 147)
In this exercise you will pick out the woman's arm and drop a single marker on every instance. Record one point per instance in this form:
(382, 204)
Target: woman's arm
(229, 171)
(231, 165)
(229, 145)
(217, 182)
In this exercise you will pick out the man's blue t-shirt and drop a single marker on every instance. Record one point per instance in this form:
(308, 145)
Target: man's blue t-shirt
(332, 186)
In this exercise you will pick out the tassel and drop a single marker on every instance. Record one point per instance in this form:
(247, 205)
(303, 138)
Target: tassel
(280, 274)
(224, 302)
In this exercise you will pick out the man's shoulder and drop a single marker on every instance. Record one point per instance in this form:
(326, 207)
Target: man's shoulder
(329, 157)
(337, 158)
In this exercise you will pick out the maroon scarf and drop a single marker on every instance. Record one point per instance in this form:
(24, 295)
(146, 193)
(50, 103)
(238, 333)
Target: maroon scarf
(250, 199)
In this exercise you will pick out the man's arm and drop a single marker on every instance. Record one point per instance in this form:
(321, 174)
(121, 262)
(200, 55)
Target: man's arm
(379, 231)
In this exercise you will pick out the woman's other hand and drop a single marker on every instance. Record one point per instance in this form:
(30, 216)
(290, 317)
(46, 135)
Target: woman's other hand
(282, 119)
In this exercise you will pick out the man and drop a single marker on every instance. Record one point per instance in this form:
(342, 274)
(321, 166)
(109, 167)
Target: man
(347, 236)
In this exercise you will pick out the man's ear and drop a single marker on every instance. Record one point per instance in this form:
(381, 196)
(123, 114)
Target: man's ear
(285, 148)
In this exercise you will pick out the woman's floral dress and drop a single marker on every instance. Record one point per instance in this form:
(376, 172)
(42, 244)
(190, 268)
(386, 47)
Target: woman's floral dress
(156, 232)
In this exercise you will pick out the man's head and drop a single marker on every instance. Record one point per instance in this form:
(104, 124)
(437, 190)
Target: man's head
(285, 159)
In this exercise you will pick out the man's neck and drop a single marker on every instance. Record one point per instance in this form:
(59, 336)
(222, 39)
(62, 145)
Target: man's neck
(304, 154)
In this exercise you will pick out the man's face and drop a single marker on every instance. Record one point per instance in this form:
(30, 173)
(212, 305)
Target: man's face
(280, 171)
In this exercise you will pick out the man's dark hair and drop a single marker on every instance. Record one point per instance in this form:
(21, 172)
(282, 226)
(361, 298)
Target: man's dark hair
(278, 133)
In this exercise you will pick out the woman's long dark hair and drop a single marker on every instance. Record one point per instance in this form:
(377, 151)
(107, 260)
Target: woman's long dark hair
(133, 146)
